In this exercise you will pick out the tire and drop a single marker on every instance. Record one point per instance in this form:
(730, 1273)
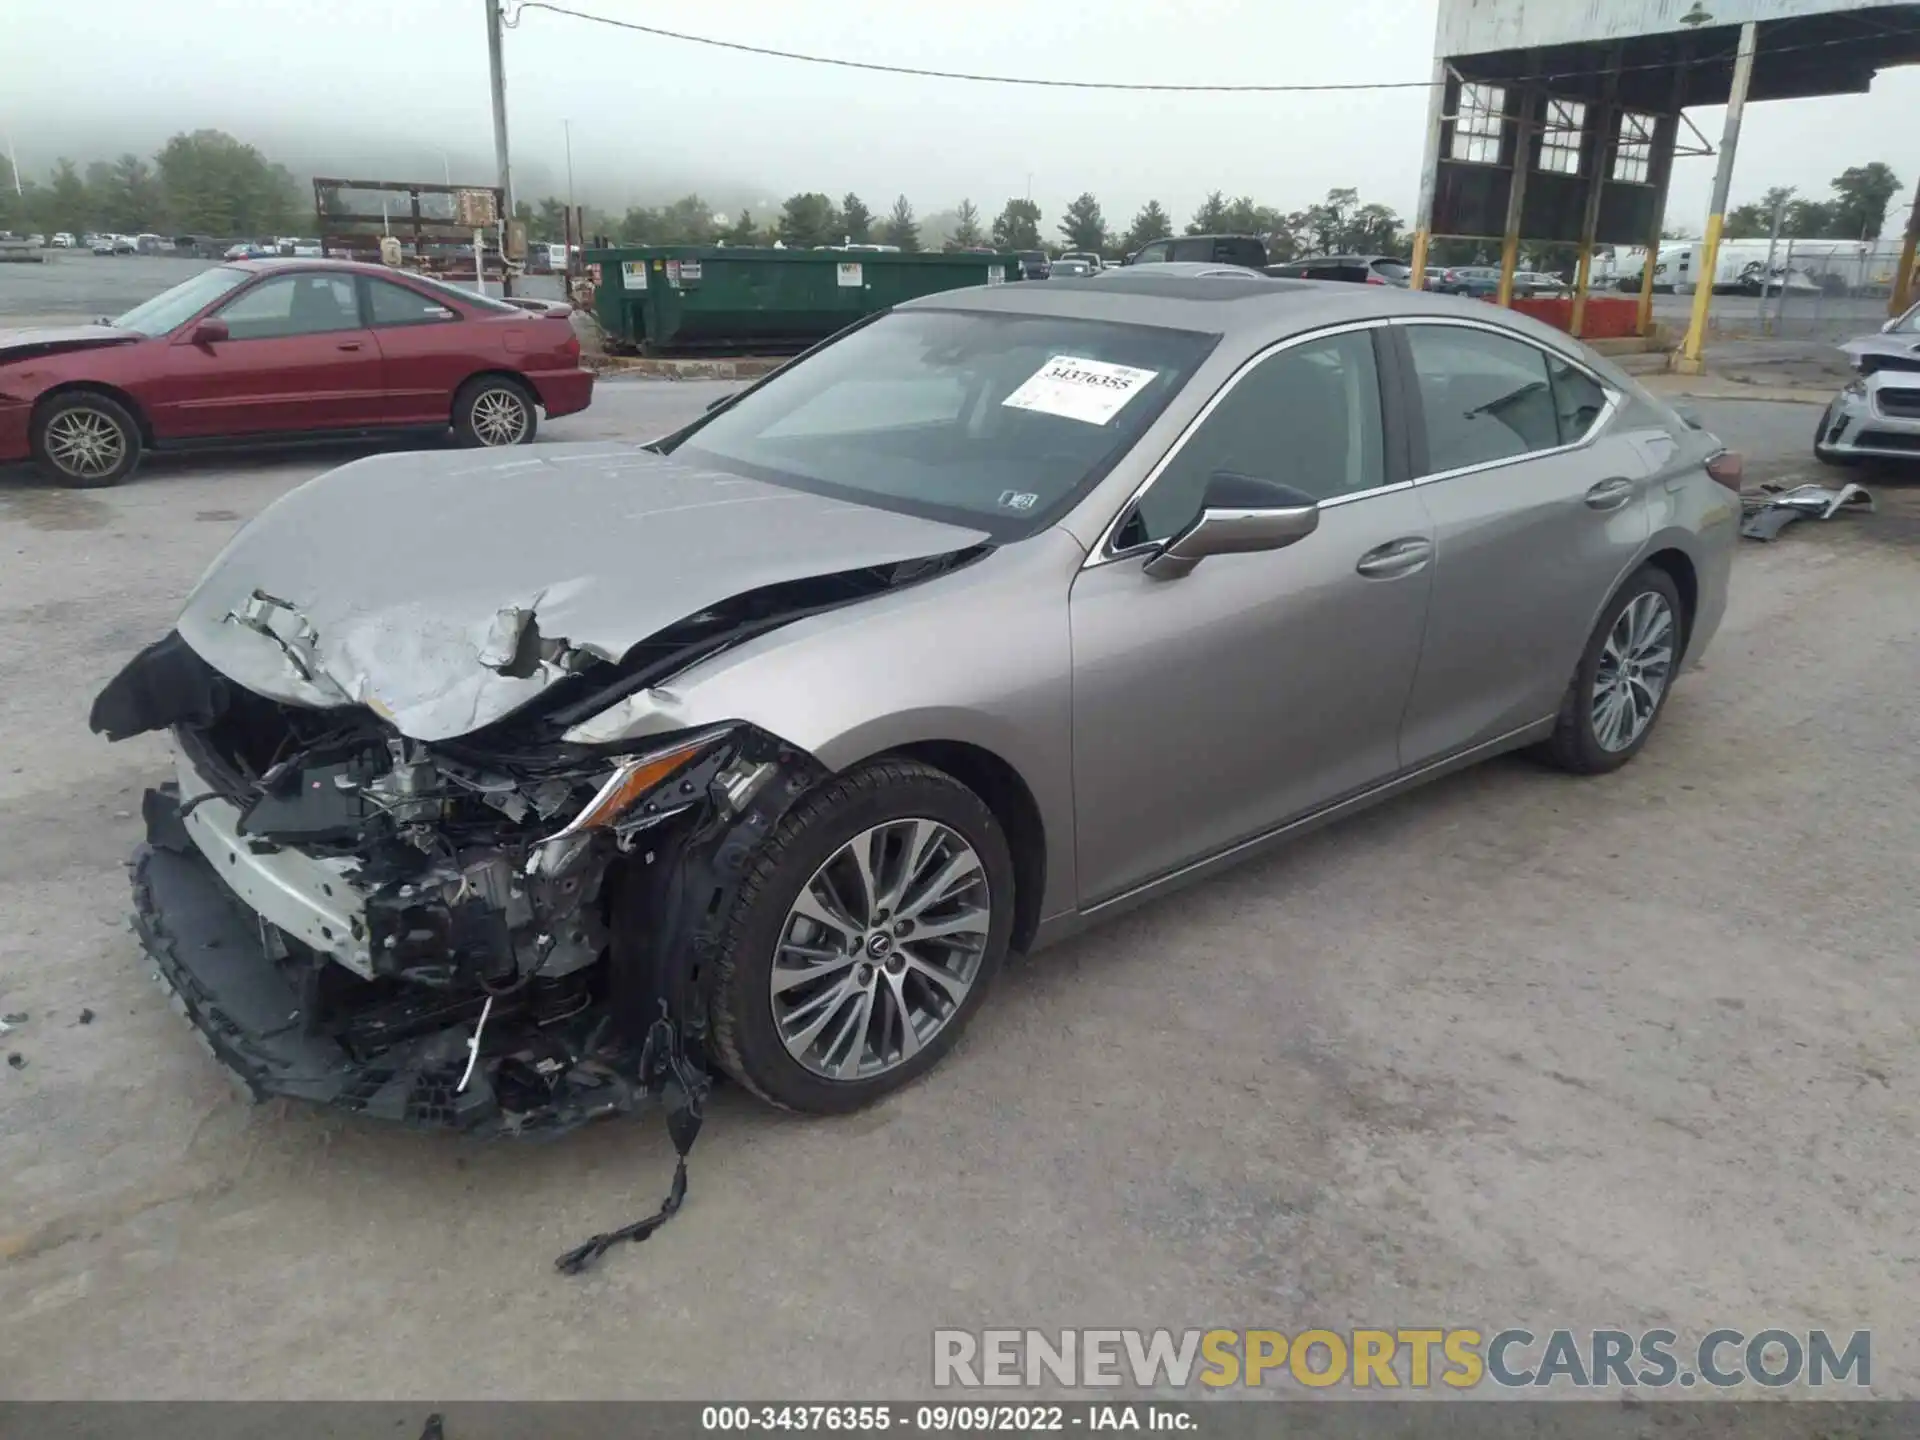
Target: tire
(1577, 745)
(86, 440)
(890, 800)
(483, 406)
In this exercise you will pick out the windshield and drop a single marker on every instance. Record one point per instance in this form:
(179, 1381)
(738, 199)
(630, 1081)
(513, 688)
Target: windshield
(994, 421)
(1907, 324)
(171, 309)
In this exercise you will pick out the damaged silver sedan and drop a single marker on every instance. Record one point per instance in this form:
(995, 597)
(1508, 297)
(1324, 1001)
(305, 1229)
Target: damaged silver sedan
(512, 790)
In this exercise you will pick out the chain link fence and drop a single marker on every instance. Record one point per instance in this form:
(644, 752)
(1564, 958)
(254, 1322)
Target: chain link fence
(1810, 292)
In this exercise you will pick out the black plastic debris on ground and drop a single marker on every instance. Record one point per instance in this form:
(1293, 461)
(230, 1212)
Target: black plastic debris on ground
(1772, 508)
(18, 1017)
(17, 1060)
(86, 1016)
(683, 1089)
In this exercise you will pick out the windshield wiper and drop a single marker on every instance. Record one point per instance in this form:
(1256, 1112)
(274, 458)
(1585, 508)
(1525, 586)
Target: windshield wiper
(1500, 402)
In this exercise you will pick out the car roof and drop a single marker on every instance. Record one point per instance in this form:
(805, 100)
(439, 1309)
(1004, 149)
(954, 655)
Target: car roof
(1248, 307)
(307, 262)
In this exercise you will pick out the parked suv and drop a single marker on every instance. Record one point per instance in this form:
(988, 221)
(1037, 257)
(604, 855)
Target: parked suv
(1034, 264)
(1247, 250)
(1354, 269)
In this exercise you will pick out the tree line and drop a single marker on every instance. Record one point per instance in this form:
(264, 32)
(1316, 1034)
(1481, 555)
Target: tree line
(1340, 223)
(199, 183)
(1862, 195)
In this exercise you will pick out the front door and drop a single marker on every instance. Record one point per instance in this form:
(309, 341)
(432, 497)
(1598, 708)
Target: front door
(1538, 498)
(1213, 707)
(298, 358)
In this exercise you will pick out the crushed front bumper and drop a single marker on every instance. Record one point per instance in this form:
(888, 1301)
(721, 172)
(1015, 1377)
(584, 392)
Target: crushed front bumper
(1878, 418)
(210, 953)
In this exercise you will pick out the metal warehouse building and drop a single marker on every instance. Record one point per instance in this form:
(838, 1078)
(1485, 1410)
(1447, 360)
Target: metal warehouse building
(1558, 120)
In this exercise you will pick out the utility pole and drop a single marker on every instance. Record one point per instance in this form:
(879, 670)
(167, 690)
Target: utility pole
(566, 128)
(497, 75)
(1688, 361)
(13, 164)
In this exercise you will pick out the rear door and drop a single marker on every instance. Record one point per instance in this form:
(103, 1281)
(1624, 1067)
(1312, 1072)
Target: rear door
(1211, 708)
(427, 350)
(297, 359)
(1539, 505)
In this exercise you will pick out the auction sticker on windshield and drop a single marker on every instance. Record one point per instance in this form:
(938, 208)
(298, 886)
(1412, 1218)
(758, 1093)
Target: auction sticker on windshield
(1075, 389)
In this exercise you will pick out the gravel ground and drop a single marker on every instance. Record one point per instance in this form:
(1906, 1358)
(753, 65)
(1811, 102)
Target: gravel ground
(1517, 1049)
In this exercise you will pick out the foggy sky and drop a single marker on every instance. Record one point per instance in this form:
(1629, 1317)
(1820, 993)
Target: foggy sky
(399, 89)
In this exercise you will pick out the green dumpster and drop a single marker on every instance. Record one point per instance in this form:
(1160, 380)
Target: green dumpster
(722, 297)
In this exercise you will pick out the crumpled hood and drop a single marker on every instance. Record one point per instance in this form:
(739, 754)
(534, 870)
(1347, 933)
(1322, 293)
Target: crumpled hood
(398, 582)
(1899, 351)
(25, 344)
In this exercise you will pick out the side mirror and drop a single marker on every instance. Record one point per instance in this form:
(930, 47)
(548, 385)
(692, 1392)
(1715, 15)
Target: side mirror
(1239, 514)
(209, 331)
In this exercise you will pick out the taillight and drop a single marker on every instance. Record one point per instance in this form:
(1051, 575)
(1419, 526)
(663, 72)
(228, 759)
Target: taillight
(1373, 279)
(572, 348)
(1727, 467)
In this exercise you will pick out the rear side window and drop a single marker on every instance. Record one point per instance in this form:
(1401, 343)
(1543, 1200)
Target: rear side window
(1577, 400)
(1483, 397)
(1308, 417)
(392, 304)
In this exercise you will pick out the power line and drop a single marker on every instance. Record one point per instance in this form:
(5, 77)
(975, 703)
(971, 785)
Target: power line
(1044, 83)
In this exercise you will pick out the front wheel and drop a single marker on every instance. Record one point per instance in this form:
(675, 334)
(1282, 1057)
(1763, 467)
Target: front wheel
(863, 939)
(1623, 678)
(85, 440)
(494, 410)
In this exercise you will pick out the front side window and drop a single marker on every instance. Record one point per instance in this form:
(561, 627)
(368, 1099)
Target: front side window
(392, 304)
(996, 421)
(1307, 417)
(293, 305)
(1484, 397)
(1154, 253)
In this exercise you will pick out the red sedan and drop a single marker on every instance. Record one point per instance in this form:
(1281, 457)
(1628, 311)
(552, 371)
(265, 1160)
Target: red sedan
(267, 351)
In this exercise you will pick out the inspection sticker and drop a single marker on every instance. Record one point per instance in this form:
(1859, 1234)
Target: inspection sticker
(633, 274)
(1075, 389)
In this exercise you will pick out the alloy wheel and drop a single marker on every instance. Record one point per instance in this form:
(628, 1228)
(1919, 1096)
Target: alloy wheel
(880, 948)
(84, 443)
(1635, 665)
(499, 417)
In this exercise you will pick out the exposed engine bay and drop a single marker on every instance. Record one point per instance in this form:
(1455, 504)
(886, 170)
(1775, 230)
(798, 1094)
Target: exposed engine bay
(440, 919)
(479, 932)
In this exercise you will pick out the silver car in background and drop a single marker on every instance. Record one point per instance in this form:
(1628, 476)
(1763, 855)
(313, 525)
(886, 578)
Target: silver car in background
(1876, 416)
(759, 747)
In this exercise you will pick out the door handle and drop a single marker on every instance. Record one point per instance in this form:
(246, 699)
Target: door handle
(1610, 494)
(348, 345)
(1395, 558)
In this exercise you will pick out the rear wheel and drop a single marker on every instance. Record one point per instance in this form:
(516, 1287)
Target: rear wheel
(864, 938)
(86, 440)
(494, 410)
(1623, 679)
